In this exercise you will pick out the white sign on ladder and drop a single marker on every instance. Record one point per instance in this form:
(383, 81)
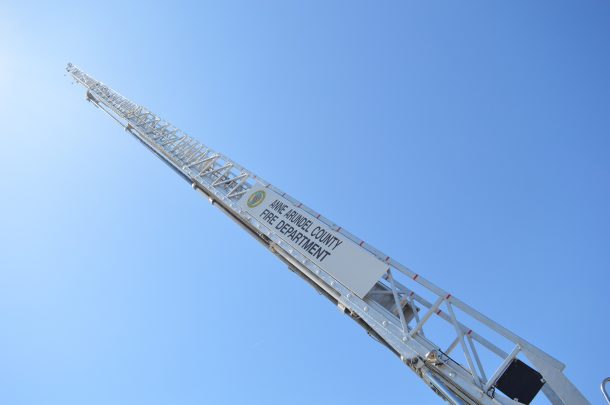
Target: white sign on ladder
(344, 260)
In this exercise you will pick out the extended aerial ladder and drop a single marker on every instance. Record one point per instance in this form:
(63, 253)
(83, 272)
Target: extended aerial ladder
(482, 362)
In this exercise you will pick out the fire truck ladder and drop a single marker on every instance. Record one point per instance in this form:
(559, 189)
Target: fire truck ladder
(461, 354)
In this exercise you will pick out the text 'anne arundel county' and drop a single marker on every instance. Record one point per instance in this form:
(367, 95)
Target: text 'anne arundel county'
(318, 242)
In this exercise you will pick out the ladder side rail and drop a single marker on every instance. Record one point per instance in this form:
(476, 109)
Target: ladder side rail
(435, 289)
(146, 125)
(431, 286)
(153, 120)
(169, 157)
(424, 349)
(181, 138)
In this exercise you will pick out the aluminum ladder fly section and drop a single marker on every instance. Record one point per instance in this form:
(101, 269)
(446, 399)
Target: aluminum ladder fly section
(459, 352)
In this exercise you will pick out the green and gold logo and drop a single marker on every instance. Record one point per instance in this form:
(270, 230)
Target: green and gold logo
(256, 198)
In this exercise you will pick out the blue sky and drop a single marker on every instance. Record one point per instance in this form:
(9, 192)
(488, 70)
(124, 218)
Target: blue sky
(469, 140)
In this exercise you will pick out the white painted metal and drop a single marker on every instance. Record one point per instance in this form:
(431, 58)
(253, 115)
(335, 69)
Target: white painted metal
(353, 266)
(224, 182)
(603, 388)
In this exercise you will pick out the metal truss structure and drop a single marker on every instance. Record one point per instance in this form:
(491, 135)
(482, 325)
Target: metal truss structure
(461, 354)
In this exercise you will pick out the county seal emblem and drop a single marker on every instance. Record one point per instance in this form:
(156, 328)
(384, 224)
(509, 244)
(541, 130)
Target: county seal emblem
(256, 198)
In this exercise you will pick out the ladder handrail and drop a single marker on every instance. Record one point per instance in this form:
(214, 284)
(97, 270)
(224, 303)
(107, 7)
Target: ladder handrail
(231, 181)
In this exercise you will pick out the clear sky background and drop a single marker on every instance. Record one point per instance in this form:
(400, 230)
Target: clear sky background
(469, 140)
